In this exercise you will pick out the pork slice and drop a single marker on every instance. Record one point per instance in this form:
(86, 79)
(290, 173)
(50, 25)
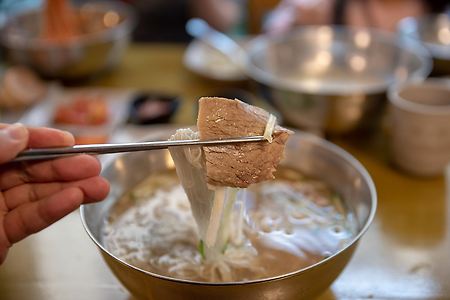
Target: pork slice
(238, 165)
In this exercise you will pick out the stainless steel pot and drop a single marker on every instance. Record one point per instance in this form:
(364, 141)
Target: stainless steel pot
(108, 26)
(434, 32)
(307, 153)
(332, 78)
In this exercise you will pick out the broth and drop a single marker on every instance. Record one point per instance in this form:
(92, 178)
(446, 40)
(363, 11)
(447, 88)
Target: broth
(289, 223)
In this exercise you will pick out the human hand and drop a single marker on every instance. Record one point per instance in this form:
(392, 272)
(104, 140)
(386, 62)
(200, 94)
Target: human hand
(37, 194)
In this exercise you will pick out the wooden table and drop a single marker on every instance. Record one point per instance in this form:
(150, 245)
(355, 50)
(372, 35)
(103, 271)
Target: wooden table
(404, 255)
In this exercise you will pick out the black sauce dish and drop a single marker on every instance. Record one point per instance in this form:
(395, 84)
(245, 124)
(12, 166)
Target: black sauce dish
(152, 108)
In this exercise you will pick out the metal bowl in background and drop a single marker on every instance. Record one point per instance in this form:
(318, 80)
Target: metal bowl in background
(434, 32)
(107, 29)
(333, 78)
(307, 153)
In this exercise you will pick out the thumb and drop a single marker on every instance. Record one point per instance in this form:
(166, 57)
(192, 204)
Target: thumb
(13, 139)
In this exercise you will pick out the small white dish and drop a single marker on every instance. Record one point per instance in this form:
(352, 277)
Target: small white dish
(206, 61)
(42, 114)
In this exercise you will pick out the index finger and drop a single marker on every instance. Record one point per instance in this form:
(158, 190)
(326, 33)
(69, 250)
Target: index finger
(41, 137)
(49, 137)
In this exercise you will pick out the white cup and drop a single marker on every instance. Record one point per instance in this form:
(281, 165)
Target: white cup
(420, 126)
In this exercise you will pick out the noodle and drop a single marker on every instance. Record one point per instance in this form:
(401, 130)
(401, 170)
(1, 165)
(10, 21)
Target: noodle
(297, 221)
(213, 210)
(270, 126)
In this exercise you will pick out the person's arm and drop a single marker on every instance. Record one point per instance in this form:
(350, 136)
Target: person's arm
(37, 194)
(221, 14)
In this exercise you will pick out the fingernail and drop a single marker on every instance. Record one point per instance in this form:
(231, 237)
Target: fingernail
(68, 137)
(17, 131)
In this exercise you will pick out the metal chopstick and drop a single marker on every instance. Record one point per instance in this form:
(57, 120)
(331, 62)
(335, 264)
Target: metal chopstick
(95, 149)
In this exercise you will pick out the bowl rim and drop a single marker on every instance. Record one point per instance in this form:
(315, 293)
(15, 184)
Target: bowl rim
(314, 139)
(408, 27)
(36, 43)
(410, 45)
(420, 108)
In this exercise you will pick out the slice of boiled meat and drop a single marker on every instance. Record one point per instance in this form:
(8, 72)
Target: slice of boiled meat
(238, 165)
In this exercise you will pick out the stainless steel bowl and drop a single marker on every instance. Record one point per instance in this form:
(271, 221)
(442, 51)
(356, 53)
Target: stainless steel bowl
(333, 78)
(434, 32)
(307, 153)
(97, 50)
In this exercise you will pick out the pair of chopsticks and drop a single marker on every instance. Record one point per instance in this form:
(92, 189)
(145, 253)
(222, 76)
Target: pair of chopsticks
(96, 149)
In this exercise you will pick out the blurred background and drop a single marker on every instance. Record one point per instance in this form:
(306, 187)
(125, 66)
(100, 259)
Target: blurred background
(372, 76)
